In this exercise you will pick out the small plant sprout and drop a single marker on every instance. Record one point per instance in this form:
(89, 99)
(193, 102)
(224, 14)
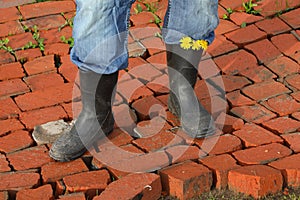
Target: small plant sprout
(69, 41)
(249, 7)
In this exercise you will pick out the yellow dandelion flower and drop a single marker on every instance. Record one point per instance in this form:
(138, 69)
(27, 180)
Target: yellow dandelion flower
(186, 43)
(203, 44)
(196, 45)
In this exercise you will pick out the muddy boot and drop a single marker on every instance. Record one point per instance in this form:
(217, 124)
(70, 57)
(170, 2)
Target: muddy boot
(182, 102)
(94, 121)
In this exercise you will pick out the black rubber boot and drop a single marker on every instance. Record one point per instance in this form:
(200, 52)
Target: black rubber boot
(94, 121)
(183, 72)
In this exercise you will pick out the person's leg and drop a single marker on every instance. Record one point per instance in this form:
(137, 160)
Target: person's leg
(100, 50)
(188, 28)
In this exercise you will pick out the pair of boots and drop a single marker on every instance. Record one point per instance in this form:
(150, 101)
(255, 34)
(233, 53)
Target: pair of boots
(98, 90)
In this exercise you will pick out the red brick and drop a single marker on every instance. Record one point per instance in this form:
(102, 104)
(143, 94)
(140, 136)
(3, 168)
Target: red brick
(296, 57)
(54, 171)
(290, 18)
(204, 90)
(139, 73)
(38, 117)
(282, 125)
(10, 28)
(151, 127)
(257, 180)
(221, 46)
(68, 70)
(44, 192)
(181, 153)
(269, 7)
(235, 98)
(54, 35)
(9, 14)
(42, 81)
(46, 22)
(262, 154)
(40, 65)
(154, 45)
(12, 87)
(139, 33)
(117, 137)
(46, 8)
(186, 180)
(233, 4)
(265, 90)
(228, 123)
(147, 107)
(127, 89)
(294, 81)
(296, 115)
(30, 158)
(60, 188)
(125, 118)
(160, 140)
(286, 43)
(46, 97)
(283, 105)
(135, 62)
(20, 40)
(15, 181)
(233, 63)
(219, 144)
(246, 35)
(145, 185)
(87, 182)
(293, 141)
(270, 53)
(225, 26)
(8, 3)
(241, 17)
(10, 71)
(142, 18)
(8, 108)
(6, 57)
(158, 60)
(60, 49)
(15, 141)
(296, 95)
(220, 165)
(230, 83)
(253, 135)
(3, 165)
(4, 195)
(28, 54)
(73, 196)
(273, 26)
(159, 85)
(283, 66)
(10, 125)
(208, 69)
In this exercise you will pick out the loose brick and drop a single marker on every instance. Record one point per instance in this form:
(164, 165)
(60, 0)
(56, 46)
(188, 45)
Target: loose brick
(54, 35)
(270, 53)
(10, 125)
(257, 180)
(11, 28)
(139, 33)
(228, 123)
(125, 118)
(289, 18)
(139, 73)
(4, 195)
(296, 115)
(147, 107)
(15, 181)
(20, 40)
(12, 87)
(246, 35)
(28, 54)
(67, 69)
(225, 26)
(265, 90)
(145, 185)
(283, 66)
(233, 63)
(220, 165)
(46, 8)
(10, 71)
(208, 69)
(8, 14)
(160, 140)
(158, 60)
(233, 4)
(40, 65)
(142, 18)
(44, 193)
(129, 88)
(294, 81)
(204, 90)
(253, 135)
(186, 180)
(159, 85)
(3, 165)
(286, 43)
(221, 46)
(38, 117)
(15, 141)
(6, 57)
(54, 171)
(219, 144)
(135, 62)
(289, 167)
(282, 125)
(30, 158)
(283, 105)
(8, 108)
(154, 45)
(240, 18)
(293, 141)
(296, 95)
(45, 22)
(88, 182)
(60, 49)
(42, 81)
(73, 196)
(7, 4)
(262, 154)
(230, 83)
(235, 98)
(181, 153)
(273, 26)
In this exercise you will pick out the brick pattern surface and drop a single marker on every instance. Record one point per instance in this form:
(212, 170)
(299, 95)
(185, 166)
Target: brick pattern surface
(248, 79)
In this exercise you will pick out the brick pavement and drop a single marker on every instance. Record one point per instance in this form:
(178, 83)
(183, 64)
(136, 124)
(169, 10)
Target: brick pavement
(254, 59)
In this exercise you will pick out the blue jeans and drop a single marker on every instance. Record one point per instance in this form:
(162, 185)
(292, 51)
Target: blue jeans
(101, 29)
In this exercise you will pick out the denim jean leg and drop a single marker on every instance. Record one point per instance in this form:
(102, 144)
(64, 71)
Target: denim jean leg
(100, 35)
(194, 18)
